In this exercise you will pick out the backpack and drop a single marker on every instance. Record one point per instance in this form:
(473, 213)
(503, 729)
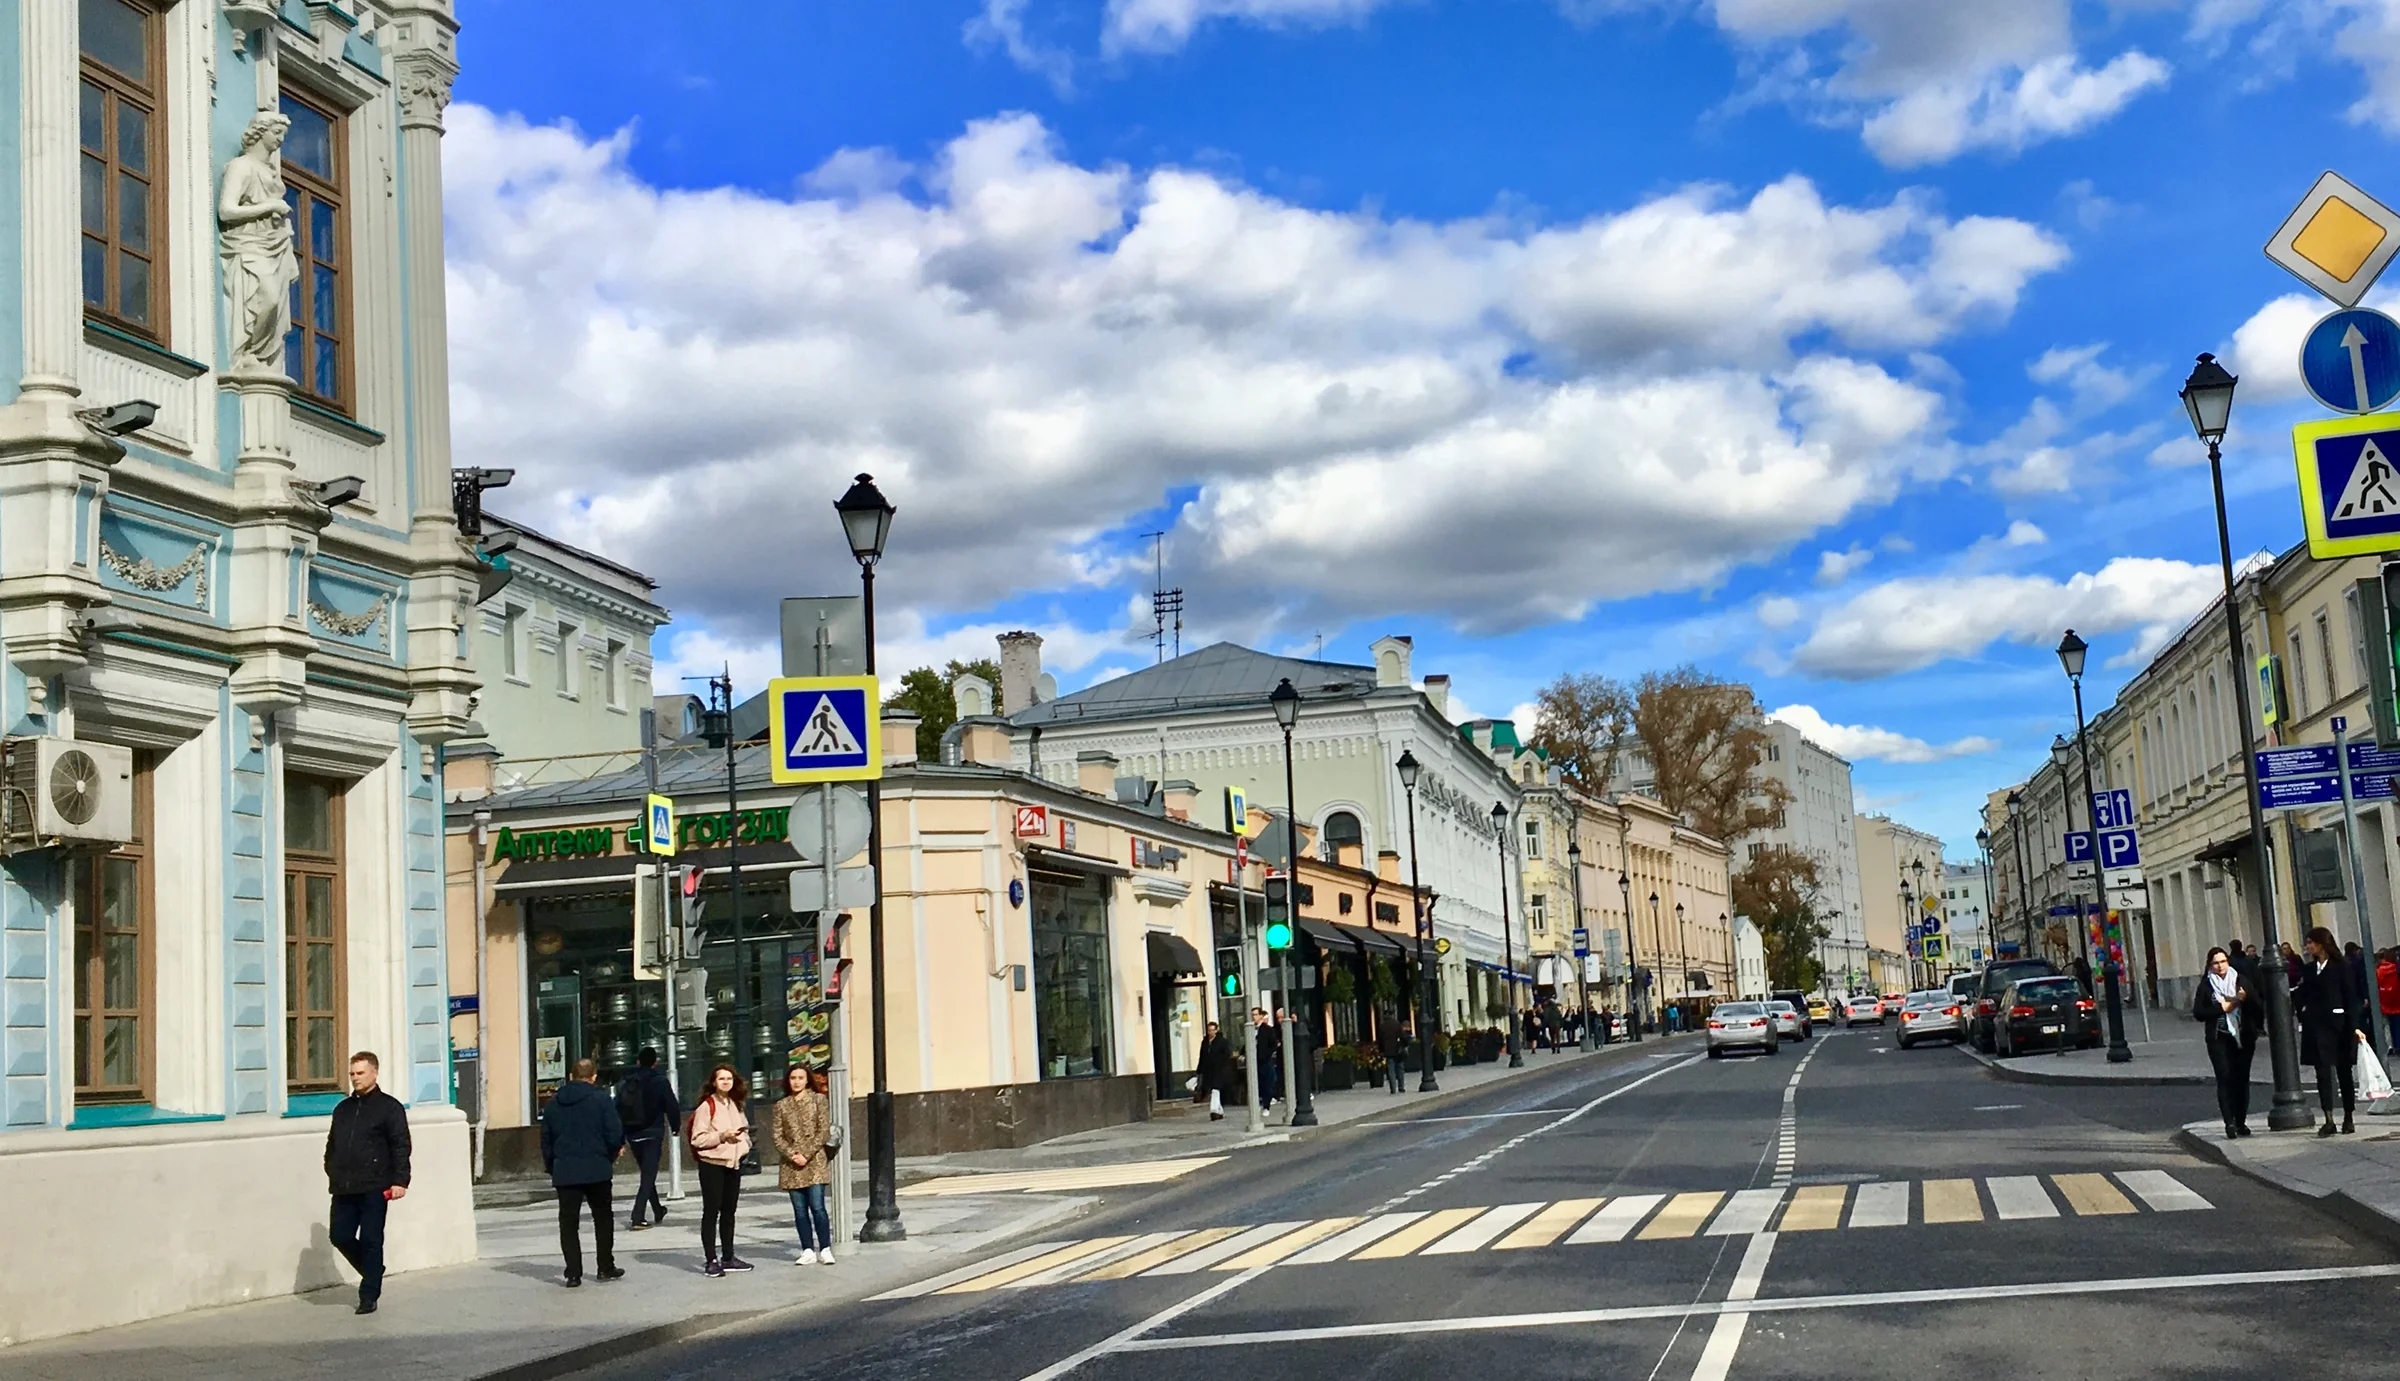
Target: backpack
(633, 1102)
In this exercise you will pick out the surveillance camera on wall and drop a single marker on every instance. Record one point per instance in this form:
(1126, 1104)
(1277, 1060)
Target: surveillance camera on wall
(120, 419)
(334, 493)
(490, 478)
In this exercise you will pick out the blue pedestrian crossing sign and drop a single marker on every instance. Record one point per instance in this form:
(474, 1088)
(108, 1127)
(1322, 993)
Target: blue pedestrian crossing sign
(2349, 484)
(824, 729)
(658, 816)
(2351, 361)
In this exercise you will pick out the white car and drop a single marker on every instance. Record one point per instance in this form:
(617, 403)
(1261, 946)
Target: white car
(1929, 1015)
(1860, 1007)
(1741, 1026)
(1787, 1020)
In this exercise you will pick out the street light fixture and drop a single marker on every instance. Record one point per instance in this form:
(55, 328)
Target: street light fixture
(2208, 398)
(2016, 828)
(1683, 961)
(1633, 961)
(1583, 988)
(1924, 904)
(1658, 934)
(2071, 651)
(1508, 936)
(1285, 701)
(867, 521)
(1408, 769)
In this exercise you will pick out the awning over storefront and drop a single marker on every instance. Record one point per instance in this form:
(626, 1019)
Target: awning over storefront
(1324, 932)
(2225, 850)
(1172, 956)
(1061, 861)
(1375, 940)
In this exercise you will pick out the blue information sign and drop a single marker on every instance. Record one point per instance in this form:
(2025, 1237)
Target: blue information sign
(2118, 848)
(2306, 775)
(2351, 360)
(1583, 942)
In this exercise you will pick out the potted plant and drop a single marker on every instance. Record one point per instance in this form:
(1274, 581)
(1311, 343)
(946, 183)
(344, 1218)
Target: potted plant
(1337, 1068)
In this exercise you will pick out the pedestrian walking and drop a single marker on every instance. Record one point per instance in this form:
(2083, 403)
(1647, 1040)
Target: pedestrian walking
(2387, 995)
(719, 1133)
(2231, 1015)
(2328, 1002)
(1267, 1054)
(366, 1169)
(649, 1110)
(2291, 963)
(1215, 1072)
(1394, 1040)
(1551, 1024)
(582, 1137)
(803, 1132)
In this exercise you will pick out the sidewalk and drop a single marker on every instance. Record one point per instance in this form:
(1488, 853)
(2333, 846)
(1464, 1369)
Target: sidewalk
(506, 1315)
(2354, 1178)
(2179, 1060)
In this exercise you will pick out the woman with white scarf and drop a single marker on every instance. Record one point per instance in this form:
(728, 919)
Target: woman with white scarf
(2228, 1013)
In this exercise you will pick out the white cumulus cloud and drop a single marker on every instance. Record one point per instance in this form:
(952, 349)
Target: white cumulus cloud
(1164, 25)
(1860, 742)
(1913, 622)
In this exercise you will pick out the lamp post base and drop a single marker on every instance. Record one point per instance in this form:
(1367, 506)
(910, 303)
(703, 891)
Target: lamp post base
(2118, 1052)
(883, 1205)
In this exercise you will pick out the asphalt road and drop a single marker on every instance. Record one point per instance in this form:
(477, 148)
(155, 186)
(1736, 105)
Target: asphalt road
(1868, 1213)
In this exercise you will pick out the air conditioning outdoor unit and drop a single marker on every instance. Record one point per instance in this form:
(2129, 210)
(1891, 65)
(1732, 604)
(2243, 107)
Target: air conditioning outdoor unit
(66, 791)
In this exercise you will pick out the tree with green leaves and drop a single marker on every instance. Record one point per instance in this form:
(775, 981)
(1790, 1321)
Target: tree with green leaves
(926, 694)
(1778, 892)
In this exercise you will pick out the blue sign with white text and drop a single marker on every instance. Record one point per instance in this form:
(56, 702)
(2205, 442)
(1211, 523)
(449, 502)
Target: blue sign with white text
(2351, 360)
(2118, 848)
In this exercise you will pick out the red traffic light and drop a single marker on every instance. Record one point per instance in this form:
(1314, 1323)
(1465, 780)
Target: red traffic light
(691, 881)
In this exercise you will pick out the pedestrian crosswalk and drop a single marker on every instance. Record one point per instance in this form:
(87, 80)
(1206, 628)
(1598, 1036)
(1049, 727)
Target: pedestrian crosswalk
(1623, 1218)
(1062, 1180)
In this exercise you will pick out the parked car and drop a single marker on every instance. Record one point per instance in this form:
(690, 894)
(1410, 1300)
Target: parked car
(2042, 1014)
(1798, 1001)
(1790, 1024)
(1741, 1026)
(1930, 1015)
(1861, 1007)
(1962, 989)
(1990, 981)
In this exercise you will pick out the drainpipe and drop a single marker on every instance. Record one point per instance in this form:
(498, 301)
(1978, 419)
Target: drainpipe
(483, 988)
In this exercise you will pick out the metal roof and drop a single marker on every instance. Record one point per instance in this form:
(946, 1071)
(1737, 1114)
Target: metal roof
(1220, 676)
(683, 769)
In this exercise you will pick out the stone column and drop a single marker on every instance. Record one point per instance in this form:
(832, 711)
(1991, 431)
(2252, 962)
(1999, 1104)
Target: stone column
(49, 81)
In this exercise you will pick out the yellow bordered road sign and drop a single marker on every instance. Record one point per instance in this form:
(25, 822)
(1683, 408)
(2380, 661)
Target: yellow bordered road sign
(824, 729)
(658, 816)
(2337, 240)
(2349, 470)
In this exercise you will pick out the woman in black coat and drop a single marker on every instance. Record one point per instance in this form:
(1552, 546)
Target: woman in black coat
(1216, 1073)
(2230, 1014)
(2327, 999)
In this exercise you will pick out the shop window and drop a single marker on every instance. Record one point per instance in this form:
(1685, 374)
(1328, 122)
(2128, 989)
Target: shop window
(123, 194)
(114, 944)
(315, 350)
(313, 947)
(1072, 994)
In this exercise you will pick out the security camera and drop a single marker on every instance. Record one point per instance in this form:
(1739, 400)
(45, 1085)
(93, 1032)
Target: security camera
(490, 478)
(120, 419)
(108, 619)
(499, 544)
(334, 493)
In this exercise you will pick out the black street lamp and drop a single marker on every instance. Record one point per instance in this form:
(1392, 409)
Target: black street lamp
(1983, 855)
(866, 521)
(1658, 932)
(2208, 398)
(1908, 917)
(1285, 700)
(2071, 651)
(1408, 769)
(2016, 827)
(1633, 961)
(1683, 962)
(1924, 907)
(1583, 990)
(1508, 934)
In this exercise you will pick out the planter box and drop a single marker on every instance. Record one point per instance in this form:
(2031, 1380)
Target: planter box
(1337, 1075)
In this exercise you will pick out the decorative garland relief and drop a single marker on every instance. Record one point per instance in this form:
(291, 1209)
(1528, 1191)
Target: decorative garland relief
(142, 574)
(333, 620)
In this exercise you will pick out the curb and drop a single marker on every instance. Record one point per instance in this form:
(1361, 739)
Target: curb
(2022, 1074)
(2336, 1204)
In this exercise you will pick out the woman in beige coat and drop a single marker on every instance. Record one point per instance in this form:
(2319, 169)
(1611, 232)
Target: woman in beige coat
(720, 1137)
(803, 1123)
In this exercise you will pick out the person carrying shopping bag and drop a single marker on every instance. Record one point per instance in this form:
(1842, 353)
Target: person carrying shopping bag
(803, 1132)
(719, 1133)
(2328, 1002)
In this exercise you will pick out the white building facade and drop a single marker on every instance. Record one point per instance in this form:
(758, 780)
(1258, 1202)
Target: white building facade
(1967, 898)
(233, 597)
(1820, 822)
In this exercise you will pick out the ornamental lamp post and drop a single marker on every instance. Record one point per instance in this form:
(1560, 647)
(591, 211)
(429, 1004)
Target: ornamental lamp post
(1408, 769)
(1508, 935)
(2016, 829)
(867, 521)
(2208, 398)
(1683, 962)
(1924, 906)
(1633, 962)
(1285, 700)
(2071, 652)
(1583, 989)
(1658, 934)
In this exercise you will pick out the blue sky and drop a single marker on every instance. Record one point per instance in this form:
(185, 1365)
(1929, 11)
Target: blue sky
(1828, 343)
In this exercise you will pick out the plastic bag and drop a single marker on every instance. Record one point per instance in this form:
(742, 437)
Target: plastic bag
(2373, 1084)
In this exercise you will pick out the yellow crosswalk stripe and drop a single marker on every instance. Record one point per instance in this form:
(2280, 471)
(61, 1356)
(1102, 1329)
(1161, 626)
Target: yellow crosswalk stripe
(1682, 1216)
(1952, 1201)
(1417, 1234)
(1373, 1229)
(1817, 1208)
(1549, 1225)
(2091, 1195)
(1160, 1255)
(1080, 1177)
(1036, 1266)
(1289, 1243)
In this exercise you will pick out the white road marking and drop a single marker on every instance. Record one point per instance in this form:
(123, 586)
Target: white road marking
(1999, 1107)
(1880, 1205)
(983, 1267)
(1616, 1218)
(1967, 1294)
(1134, 1247)
(1233, 1246)
(2161, 1190)
(1514, 1142)
(1748, 1212)
(1725, 1340)
(1476, 1235)
(1467, 1117)
(1365, 1234)
(2020, 1196)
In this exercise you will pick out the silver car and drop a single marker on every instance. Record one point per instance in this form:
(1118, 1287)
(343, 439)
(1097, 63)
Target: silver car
(1934, 1014)
(1787, 1020)
(1741, 1026)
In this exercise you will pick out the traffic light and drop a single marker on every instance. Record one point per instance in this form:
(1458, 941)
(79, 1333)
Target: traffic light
(687, 887)
(835, 967)
(1279, 915)
(2376, 601)
(1229, 972)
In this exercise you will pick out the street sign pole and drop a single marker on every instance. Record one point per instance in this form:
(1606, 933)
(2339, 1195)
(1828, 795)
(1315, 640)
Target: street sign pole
(2358, 875)
(670, 926)
(837, 1074)
(1254, 1119)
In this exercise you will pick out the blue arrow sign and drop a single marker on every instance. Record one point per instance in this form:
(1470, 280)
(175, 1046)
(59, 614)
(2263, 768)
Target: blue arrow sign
(2113, 810)
(2351, 360)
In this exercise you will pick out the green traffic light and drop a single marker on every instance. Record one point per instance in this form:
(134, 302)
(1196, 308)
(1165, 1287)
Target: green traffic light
(1229, 985)
(1279, 935)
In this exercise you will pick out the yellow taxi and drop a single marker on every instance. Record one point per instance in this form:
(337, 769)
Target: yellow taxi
(1818, 1012)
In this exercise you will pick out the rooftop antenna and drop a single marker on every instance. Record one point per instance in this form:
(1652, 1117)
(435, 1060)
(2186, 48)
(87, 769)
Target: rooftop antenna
(1163, 601)
(1320, 647)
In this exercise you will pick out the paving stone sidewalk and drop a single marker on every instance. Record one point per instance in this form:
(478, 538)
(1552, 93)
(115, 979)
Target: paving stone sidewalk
(2355, 1178)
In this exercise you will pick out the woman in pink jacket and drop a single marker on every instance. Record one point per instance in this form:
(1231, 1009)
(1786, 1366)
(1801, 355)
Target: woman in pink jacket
(720, 1138)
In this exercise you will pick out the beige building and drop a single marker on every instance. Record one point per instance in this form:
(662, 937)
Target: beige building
(1900, 870)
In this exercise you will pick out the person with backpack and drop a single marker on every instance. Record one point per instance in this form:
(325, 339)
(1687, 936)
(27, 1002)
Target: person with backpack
(648, 1108)
(804, 1139)
(719, 1133)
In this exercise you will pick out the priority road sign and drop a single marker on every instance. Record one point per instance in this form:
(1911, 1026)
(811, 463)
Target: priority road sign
(2337, 240)
(2351, 361)
(2349, 484)
(824, 729)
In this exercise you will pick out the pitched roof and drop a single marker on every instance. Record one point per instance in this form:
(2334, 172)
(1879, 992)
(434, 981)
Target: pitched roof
(1220, 676)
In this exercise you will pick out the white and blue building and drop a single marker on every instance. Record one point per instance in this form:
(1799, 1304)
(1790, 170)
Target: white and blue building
(232, 634)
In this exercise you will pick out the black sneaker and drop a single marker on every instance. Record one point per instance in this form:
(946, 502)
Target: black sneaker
(735, 1263)
(713, 1270)
(365, 1306)
(611, 1273)
(574, 1282)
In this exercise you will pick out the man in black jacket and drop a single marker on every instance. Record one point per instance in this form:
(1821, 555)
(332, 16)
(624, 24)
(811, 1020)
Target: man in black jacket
(366, 1167)
(647, 1105)
(581, 1140)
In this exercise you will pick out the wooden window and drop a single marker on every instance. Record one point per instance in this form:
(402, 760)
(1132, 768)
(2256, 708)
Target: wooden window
(114, 986)
(313, 943)
(316, 351)
(124, 202)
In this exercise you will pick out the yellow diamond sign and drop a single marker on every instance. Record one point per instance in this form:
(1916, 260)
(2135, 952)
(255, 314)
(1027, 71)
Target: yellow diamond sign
(2337, 240)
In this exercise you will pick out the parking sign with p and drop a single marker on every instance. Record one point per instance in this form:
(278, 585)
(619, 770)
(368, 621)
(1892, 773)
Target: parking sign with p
(824, 729)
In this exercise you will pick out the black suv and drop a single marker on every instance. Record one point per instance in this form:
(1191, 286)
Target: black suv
(1984, 997)
(1799, 1001)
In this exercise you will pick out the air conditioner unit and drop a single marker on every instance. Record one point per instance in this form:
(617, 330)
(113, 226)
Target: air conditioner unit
(67, 791)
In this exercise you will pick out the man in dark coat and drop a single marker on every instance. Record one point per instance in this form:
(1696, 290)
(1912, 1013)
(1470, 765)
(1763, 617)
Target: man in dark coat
(581, 1140)
(1395, 1049)
(1268, 1056)
(366, 1168)
(1215, 1071)
(647, 1105)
